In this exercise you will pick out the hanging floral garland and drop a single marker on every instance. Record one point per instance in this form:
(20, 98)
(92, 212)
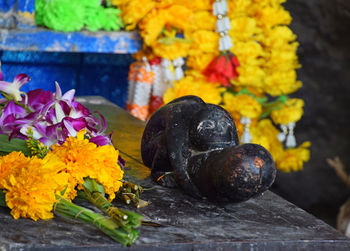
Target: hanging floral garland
(236, 53)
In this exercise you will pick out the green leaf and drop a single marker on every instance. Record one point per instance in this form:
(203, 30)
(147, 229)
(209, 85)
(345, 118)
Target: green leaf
(2, 198)
(91, 185)
(7, 146)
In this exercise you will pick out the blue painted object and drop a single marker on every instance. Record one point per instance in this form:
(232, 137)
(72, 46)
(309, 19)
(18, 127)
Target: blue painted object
(17, 14)
(93, 63)
(7, 5)
(47, 40)
(89, 73)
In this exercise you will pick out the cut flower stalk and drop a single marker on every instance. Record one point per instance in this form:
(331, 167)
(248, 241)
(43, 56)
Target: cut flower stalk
(130, 193)
(68, 209)
(125, 219)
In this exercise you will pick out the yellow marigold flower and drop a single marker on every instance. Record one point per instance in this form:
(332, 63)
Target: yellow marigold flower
(85, 159)
(243, 28)
(242, 104)
(293, 159)
(195, 4)
(249, 52)
(9, 162)
(133, 11)
(152, 26)
(250, 75)
(278, 37)
(265, 134)
(238, 7)
(203, 20)
(175, 16)
(289, 112)
(190, 85)
(204, 41)
(279, 83)
(30, 184)
(179, 17)
(283, 59)
(200, 61)
(171, 51)
(272, 16)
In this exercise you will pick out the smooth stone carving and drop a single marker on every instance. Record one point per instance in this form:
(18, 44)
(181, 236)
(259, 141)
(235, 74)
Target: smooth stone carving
(194, 145)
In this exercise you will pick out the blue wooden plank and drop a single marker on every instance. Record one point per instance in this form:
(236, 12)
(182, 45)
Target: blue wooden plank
(40, 58)
(85, 41)
(107, 59)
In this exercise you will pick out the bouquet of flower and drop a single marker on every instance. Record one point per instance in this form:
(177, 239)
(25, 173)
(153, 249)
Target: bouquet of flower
(53, 150)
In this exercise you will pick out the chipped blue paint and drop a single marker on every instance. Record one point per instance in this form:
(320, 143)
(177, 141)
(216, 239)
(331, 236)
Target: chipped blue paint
(17, 14)
(26, 5)
(98, 66)
(52, 41)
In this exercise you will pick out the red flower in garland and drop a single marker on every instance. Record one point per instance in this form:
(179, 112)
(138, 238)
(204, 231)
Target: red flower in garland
(222, 69)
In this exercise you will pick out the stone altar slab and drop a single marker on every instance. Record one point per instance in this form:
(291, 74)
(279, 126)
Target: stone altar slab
(265, 223)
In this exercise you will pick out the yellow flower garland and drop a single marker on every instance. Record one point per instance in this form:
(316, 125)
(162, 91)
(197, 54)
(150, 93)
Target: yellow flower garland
(263, 43)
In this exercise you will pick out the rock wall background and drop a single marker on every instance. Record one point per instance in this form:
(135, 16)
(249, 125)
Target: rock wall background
(323, 30)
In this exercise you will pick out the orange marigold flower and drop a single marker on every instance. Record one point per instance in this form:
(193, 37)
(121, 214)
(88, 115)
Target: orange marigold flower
(30, 184)
(85, 159)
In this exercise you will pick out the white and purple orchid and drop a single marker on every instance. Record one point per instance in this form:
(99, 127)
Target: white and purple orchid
(11, 89)
(52, 116)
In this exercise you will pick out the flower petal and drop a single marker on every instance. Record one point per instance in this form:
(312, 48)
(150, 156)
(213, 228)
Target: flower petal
(58, 93)
(69, 95)
(21, 79)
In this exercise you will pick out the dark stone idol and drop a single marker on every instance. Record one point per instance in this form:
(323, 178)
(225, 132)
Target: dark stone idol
(194, 145)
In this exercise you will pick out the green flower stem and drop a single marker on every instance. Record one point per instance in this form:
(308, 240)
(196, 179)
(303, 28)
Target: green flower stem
(130, 192)
(274, 105)
(16, 102)
(68, 209)
(125, 219)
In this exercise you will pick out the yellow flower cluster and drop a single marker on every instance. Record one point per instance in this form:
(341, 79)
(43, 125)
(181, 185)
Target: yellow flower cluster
(85, 159)
(194, 85)
(30, 183)
(291, 111)
(265, 134)
(263, 43)
(242, 105)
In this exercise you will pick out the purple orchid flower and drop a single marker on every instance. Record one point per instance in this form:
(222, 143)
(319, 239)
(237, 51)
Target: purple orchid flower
(12, 88)
(52, 116)
(1, 73)
(9, 117)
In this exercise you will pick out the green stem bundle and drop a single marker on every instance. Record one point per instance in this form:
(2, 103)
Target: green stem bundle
(68, 209)
(125, 219)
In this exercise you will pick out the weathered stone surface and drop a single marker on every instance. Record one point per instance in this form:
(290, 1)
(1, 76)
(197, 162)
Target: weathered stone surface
(322, 27)
(265, 223)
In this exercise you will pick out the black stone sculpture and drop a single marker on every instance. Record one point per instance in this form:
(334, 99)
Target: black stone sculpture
(194, 145)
